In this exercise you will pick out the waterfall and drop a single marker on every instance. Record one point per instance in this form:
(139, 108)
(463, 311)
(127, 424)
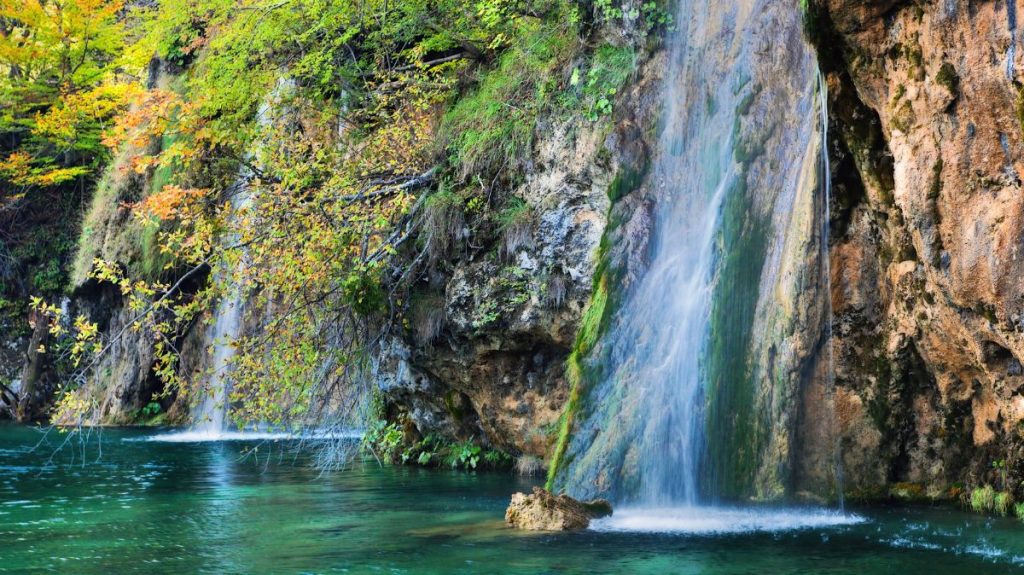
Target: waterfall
(210, 416)
(826, 283)
(690, 397)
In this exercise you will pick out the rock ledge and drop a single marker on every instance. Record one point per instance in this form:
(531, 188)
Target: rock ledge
(544, 511)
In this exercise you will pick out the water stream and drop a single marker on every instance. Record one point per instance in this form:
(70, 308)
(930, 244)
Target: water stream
(210, 416)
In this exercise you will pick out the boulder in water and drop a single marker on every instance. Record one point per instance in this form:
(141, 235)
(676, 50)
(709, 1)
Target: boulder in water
(545, 511)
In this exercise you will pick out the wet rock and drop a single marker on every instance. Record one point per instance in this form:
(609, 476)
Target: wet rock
(545, 511)
(493, 369)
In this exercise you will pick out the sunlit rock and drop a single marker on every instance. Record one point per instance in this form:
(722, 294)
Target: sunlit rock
(544, 511)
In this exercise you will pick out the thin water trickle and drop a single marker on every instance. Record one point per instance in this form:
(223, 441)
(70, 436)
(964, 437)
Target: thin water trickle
(826, 282)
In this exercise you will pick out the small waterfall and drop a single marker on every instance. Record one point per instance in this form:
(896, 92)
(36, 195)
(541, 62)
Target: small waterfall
(210, 416)
(690, 398)
(826, 283)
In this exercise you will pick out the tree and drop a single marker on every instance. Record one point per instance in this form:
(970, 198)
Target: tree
(59, 84)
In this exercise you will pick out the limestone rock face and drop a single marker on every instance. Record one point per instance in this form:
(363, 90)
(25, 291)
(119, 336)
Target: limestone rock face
(544, 511)
(487, 361)
(928, 216)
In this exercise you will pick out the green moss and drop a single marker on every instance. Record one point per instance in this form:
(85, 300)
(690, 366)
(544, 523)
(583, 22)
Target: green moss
(901, 91)
(903, 117)
(948, 78)
(735, 436)
(1020, 106)
(453, 405)
(626, 180)
(492, 127)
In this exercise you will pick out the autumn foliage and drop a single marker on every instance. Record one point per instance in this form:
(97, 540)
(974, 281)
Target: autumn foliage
(295, 143)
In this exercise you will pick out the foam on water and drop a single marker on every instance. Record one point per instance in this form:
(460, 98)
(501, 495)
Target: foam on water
(721, 520)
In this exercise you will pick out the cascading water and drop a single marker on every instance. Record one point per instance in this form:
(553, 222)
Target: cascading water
(210, 415)
(211, 412)
(690, 396)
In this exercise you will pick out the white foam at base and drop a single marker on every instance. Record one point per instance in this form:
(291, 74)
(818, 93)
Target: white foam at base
(721, 520)
(199, 436)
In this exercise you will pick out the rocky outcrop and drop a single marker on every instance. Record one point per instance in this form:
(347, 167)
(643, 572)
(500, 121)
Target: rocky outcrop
(486, 356)
(928, 216)
(544, 511)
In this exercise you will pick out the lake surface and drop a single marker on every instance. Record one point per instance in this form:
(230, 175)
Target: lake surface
(137, 506)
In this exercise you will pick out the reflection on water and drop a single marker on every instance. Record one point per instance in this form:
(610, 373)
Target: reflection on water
(256, 507)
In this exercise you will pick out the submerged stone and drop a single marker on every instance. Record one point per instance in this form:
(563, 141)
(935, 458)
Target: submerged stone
(545, 511)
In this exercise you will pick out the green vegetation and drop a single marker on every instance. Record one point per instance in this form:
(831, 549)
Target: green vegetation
(987, 500)
(948, 78)
(491, 129)
(1003, 503)
(609, 69)
(515, 224)
(390, 444)
(369, 137)
(983, 499)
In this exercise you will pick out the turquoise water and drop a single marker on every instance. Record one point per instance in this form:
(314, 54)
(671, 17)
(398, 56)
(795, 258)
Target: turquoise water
(146, 507)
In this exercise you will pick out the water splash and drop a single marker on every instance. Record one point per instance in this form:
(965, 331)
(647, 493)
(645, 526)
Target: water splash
(722, 521)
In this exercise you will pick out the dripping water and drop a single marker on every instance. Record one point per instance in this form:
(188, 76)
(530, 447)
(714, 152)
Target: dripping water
(826, 286)
(1011, 50)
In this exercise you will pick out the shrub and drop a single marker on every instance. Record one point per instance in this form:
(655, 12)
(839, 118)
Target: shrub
(1002, 503)
(983, 499)
(382, 440)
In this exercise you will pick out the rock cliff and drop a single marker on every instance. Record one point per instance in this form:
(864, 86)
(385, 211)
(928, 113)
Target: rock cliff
(927, 296)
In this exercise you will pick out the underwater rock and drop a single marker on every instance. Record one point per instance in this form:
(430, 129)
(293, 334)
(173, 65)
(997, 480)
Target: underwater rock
(545, 511)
